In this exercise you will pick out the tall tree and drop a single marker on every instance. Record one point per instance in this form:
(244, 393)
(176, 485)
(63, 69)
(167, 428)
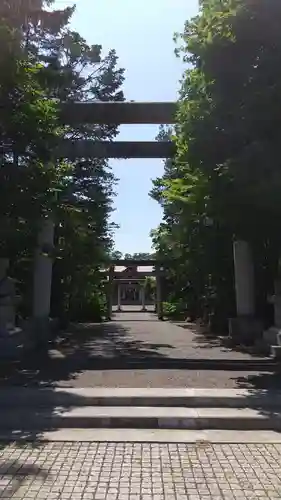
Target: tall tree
(75, 71)
(28, 132)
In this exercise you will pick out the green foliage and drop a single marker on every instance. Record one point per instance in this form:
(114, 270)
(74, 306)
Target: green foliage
(116, 255)
(138, 256)
(150, 287)
(88, 306)
(226, 174)
(28, 130)
(173, 310)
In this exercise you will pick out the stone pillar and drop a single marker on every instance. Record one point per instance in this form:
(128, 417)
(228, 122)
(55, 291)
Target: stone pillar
(245, 328)
(119, 297)
(110, 292)
(43, 265)
(42, 284)
(244, 279)
(143, 297)
(272, 336)
(159, 303)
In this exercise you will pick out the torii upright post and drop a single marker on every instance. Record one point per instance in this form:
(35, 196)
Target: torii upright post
(143, 297)
(119, 296)
(159, 303)
(110, 292)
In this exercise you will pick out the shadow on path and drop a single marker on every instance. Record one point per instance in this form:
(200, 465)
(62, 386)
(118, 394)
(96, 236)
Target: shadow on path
(15, 472)
(107, 340)
(81, 347)
(264, 393)
(203, 339)
(261, 381)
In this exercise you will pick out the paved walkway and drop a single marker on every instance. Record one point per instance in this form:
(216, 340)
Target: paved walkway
(146, 471)
(101, 355)
(136, 334)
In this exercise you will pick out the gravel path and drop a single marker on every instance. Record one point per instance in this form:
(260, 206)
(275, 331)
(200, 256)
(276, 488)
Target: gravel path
(141, 334)
(48, 376)
(173, 378)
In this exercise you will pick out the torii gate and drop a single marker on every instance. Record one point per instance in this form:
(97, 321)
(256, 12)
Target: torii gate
(97, 113)
(157, 271)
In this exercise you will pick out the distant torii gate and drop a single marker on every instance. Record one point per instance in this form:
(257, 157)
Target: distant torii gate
(118, 113)
(158, 272)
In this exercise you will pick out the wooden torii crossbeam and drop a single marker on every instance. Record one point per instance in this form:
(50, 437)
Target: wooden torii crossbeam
(119, 113)
(115, 149)
(136, 262)
(116, 113)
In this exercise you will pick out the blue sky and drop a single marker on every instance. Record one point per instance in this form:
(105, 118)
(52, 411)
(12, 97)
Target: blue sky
(142, 35)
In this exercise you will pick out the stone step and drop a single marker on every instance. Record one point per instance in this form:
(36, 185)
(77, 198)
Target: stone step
(60, 360)
(26, 397)
(201, 438)
(141, 417)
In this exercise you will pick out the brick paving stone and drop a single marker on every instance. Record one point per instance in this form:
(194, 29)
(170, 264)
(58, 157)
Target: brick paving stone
(147, 471)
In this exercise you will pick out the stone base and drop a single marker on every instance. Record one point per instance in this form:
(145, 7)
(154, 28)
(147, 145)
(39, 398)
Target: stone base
(261, 347)
(39, 332)
(12, 344)
(245, 329)
(275, 351)
(272, 336)
(7, 332)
